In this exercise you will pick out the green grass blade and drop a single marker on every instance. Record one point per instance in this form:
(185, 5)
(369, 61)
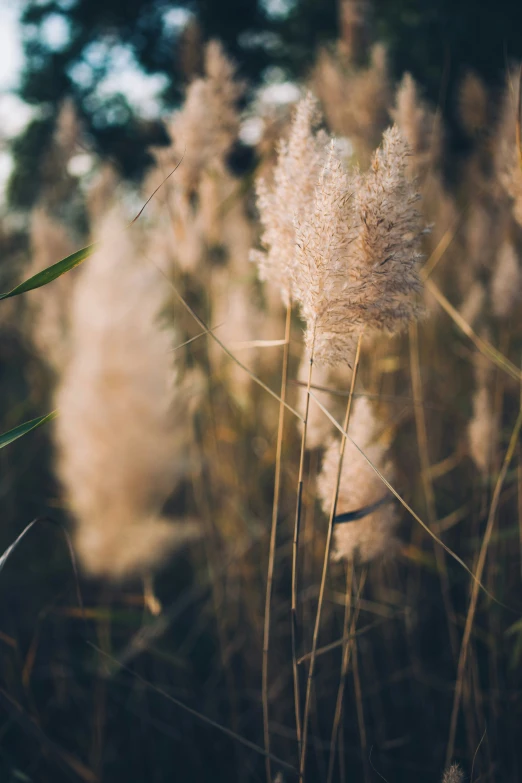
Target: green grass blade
(9, 550)
(52, 272)
(23, 429)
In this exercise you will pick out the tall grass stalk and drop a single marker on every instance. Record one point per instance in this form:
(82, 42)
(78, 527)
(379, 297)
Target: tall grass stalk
(309, 682)
(273, 540)
(427, 484)
(348, 639)
(403, 503)
(360, 711)
(476, 586)
(483, 346)
(295, 551)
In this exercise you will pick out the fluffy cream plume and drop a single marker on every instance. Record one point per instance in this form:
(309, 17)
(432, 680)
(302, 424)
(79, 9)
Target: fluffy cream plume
(372, 536)
(506, 282)
(354, 100)
(122, 433)
(190, 228)
(208, 124)
(49, 306)
(453, 774)
(418, 125)
(235, 308)
(507, 156)
(473, 104)
(358, 252)
(289, 196)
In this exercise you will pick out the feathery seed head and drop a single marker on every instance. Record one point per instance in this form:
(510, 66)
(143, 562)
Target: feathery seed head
(288, 197)
(358, 252)
(372, 536)
(453, 774)
(122, 433)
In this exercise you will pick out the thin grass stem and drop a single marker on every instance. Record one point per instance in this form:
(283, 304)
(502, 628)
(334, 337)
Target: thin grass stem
(427, 483)
(408, 508)
(311, 670)
(273, 541)
(476, 584)
(295, 551)
(349, 635)
(483, 346)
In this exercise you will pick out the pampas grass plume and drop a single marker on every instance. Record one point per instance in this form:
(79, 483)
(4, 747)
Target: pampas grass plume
(453, 774)
(372, 536)
(358, 252)
(122, 433)
(49, 306)
(288, 197)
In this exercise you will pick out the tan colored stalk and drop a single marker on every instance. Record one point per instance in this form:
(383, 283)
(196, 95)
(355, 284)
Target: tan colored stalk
(427, 484)
(519, 503)
(223, 347)
(404, 504)
(476, 585)
(295, 550)
(309, 682)
(273, 538)
(360, 711)
(483, 346)
(349, 637)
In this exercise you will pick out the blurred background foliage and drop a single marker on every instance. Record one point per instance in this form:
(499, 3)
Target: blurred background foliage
(71, 46)
(65, 715)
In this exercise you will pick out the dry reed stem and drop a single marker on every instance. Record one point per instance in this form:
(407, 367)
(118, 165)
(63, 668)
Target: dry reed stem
(360, 711)
(195, 714)
(405, 505)
(311, 669)
(216, 339)
(273, 537)
(474, 596)
(348, 642)
(519, 503)
(340, 642)
(427, 484)
(295, 552)
(441, 247)
(203, 494)
(483, 346)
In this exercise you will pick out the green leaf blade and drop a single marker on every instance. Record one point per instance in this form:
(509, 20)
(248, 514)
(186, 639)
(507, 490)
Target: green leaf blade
(22, 429)
(52, 272)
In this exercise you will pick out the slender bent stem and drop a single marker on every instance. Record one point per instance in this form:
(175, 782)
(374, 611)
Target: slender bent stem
(349, 637)
(295, 549)
(427, 484)
(273, 540)
(459, 685)
(309, 682)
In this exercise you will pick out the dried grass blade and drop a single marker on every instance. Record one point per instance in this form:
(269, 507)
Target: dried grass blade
(484, 347)
(474, 595)
(408, 508)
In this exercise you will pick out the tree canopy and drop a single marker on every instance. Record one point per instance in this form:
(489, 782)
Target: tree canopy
(72, 46)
